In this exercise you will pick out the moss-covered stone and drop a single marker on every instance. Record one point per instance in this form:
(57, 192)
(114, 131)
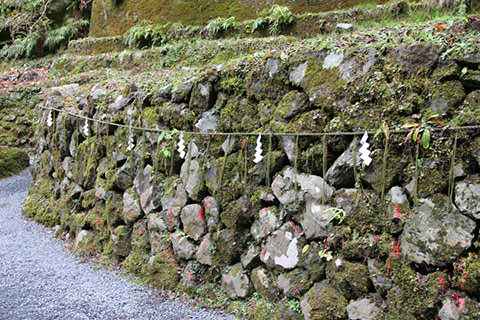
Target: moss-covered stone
(12, 161)
(323, 302)
(162, 271)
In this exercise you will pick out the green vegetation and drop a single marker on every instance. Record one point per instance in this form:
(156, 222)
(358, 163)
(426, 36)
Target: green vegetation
(221, 25)
(274, 19)
(12, 161)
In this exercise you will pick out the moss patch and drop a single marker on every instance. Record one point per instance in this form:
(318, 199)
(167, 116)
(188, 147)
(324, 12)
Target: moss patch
(12, 161)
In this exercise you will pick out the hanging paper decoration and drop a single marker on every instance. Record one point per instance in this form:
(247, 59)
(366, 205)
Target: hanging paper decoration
(364, 152)
(181, 146)
(258, 150)
(49, 119)
(131, 144)
(86, 131)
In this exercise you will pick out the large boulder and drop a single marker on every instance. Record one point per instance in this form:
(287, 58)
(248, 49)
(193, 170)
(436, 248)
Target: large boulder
(121, 241)
(362, 309)
(351, 279)
(205, 249)
(282, 248)
(193, 179)
(236, 282)
(131, 209)
(267, 222)
(182, 247)
(434, 235)
(318, 219)
(467, 198)
(310, 188)
(156, 228)
(323, 302)
(193, 221)
(417, 58)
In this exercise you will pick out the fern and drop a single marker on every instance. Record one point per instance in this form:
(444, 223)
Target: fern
(21, 47)
(275, 17)
(65, 33)
(219, 25)
(145, 34)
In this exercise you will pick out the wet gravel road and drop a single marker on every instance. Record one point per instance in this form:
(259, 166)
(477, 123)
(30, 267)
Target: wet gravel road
(40, 279)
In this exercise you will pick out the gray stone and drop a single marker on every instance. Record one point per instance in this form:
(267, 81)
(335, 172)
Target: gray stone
(266, 223)
(340, 174)
(162, 95)
(120, 103)
(204, 252)
(345, 200)
(156, 228)
(236, 282)
(178, 200)
(471, 80)
(192, 178)
(181, 92)
(295, 283)
(123, 178)
(416, 58)
(447, 97)
(121, 244)
(348, 70)
(76, 192)
(370, 61)
(345, 27)
(272, 67)
(182, 247)
(397, 196)
(298, 73)
(380, 283)
(208, 122)
(189, 277)
(202, 96)
(251, 258)
(317, 221)
(193, 221)
(288, 146)
(97, 92)
(449, 311)
(84, 240)
(458, 171)
(282, 248)
(212, 212)
(228, 144)
(68, 166)
(436, 236)
(150, 199)
(293, 103)
(362, 309)
(260, 280)
(333, 60)
(310, 187)
(67, 90)
(467, 198)
(131, 209)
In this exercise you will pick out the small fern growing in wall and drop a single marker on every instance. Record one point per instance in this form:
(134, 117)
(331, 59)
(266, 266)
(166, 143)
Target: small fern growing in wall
(220, 25)
(274, 18)
(56, 37)
(145, 34)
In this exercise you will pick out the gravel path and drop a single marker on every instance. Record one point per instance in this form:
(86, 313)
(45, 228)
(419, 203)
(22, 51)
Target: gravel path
(39, 279)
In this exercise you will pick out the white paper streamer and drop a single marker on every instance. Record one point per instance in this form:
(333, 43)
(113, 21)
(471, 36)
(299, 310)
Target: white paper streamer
(86, 131)
(258, 150)
(131, 144)
(49, 119)
(364, 152)
(181, 146)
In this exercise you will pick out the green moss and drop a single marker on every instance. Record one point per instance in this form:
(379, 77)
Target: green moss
(351, 279)
(413, 295)
(163, 272)
(12, 161)
(325, 303)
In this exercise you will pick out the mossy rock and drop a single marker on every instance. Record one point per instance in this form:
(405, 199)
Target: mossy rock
(12, 161)
(351, 279)
(413, 295)
(323, 302)
(162, 271)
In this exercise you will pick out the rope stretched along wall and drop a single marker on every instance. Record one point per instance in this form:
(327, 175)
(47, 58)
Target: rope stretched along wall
(278, 134)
